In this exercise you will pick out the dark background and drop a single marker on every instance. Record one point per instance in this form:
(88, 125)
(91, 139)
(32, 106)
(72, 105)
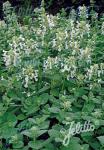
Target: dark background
(54, 6)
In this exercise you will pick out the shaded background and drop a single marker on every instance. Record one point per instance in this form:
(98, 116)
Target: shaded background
(54, 6)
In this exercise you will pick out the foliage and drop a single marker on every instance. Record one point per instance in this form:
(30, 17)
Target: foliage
(52, 73)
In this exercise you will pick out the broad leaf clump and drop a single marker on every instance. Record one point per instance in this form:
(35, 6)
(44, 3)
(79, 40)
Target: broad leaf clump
(51, 74)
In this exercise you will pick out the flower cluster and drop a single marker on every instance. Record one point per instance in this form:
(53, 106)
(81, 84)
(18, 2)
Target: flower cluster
(96, 72)
(50, 63)
(72, 46)
(69, 66)
(29, 74)
(102, 28)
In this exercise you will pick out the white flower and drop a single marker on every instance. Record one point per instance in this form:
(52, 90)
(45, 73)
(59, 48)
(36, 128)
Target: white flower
(60, 48)
(54, 43)
(102, 68)
(2, 24)
(36, 75)
(2, 78)
(66, 45)
(102, 28)
(69, 66)
(83, 11)
(26, 81)
(72, 23)
(99, 80)
(21, 38)
(50, 62)
(28, 94)
(29, 74)
(7, 58)
(99, 73)
(87, 27)
(66, 34)
(50, 21)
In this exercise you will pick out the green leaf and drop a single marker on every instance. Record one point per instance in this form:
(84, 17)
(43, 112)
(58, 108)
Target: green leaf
(44, 98)
(101, 139)
(19, 144)
(54, 110)
(88, 107)
(7, 132)
(45, 88)
(37, 145)
(73, 145)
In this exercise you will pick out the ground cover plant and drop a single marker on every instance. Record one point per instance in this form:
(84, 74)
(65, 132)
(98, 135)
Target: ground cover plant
(51, 74)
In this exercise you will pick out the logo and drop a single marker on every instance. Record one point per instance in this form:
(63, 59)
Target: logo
(76, 129)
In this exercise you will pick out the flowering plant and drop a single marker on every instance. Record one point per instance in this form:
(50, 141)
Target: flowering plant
(52, 73)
